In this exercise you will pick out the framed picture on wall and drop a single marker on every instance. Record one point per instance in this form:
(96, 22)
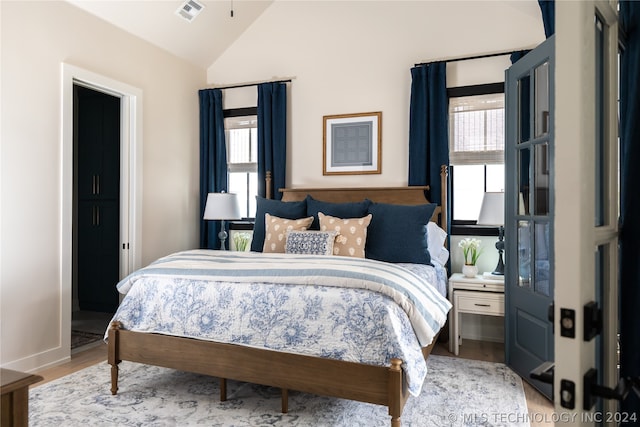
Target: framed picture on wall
(352, 144)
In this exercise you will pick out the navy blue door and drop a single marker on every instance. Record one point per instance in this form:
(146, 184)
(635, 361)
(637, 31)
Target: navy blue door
(529, 206)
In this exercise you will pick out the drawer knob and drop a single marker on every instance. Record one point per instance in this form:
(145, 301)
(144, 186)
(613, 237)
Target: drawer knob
(482, 305)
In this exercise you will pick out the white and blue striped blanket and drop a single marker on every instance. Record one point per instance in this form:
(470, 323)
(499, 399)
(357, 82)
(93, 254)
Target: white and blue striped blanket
(346, 308)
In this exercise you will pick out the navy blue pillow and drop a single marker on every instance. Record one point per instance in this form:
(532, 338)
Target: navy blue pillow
(289, 210)
(398, 233)
(339, 210)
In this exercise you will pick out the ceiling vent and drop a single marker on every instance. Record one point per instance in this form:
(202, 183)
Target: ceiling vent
(189, 10)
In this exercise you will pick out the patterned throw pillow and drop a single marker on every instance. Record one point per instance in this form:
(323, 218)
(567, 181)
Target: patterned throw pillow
(276, 229)
(353, 234)
(310, 242)
(274, 208)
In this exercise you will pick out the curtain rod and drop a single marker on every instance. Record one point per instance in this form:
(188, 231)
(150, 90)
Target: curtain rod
(251, 84)
(465, 58)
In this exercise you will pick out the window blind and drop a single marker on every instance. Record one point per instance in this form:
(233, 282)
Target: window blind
(242, 144)
(476, 129)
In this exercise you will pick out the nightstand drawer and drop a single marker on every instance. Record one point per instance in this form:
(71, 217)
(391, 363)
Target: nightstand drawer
(479, 302)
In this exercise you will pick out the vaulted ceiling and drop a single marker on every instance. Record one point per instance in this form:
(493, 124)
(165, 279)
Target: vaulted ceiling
(200, 41)
(204, 39)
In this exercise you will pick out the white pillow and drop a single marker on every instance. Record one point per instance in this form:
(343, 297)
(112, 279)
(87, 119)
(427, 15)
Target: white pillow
(436, 237)
(442, 256)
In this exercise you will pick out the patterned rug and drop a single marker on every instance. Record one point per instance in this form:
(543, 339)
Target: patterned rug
(457, 392)
(82, 338)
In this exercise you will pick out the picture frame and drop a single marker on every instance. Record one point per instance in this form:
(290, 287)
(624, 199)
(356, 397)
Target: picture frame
(352, 144)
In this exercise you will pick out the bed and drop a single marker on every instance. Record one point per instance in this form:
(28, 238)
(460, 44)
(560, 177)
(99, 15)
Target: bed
(286, 364)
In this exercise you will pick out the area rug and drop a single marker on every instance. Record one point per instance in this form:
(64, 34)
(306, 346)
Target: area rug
(457, 392)
(81, 338)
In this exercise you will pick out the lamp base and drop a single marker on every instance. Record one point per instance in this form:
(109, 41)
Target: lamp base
(222, 235)
(499, 271)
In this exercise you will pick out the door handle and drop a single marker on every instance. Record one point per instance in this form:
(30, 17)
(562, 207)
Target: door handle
(592, 389)
(543, 373)
(95, 215)
(95, 184)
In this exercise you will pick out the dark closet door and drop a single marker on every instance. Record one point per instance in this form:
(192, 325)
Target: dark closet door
(98, 198)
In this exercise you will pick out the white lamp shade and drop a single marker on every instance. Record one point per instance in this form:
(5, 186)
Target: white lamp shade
(222, 206)
(492, 209)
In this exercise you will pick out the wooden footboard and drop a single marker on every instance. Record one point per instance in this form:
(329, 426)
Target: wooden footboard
(364, 383)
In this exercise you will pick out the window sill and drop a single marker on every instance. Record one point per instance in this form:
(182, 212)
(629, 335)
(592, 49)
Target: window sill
(241, 225)
(473, 230)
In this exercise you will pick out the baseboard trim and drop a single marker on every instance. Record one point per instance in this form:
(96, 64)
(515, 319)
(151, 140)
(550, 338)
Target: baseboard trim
(40, 361)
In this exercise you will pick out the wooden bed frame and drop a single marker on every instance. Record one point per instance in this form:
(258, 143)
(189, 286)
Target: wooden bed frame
(365, 383)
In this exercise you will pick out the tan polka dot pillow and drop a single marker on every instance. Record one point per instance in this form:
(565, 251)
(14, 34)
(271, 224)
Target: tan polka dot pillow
(353, 234)
(275, 236)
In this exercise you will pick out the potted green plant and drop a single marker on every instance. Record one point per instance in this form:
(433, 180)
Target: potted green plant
(241, 241)
(471, 250)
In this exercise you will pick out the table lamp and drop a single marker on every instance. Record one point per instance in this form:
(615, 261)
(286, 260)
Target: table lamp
(492, 213)
(222, 207)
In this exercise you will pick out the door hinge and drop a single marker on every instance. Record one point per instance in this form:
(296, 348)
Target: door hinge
(592, 389)
(592, 320)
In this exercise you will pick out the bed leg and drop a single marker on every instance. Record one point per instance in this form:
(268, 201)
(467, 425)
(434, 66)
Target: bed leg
(285, 400)
(114, 378)
(395, 391)
(223, 389)
(112, 355)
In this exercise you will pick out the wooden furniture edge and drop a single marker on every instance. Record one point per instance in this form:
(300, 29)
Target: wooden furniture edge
(348, 380)
(14, 400)
(412, 195)
(14, 380)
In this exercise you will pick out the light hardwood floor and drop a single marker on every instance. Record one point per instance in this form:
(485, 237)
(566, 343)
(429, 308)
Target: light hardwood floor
(539, 408)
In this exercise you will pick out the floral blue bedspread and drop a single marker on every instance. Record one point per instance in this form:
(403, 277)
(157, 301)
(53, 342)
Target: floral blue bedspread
(192, 294)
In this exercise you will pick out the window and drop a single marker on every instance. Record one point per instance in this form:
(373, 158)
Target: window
(242, 159)
(476, 148)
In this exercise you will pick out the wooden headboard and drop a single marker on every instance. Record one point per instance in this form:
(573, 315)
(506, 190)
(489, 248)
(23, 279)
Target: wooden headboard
(396, 195)
(411, 195)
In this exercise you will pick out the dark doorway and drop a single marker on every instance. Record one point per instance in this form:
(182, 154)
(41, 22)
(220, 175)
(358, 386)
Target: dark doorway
(96, 153)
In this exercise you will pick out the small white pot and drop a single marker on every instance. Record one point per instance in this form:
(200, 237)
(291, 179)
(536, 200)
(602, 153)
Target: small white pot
(470, 270)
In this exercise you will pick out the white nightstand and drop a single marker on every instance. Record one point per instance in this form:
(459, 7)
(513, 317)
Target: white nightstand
(478, 295)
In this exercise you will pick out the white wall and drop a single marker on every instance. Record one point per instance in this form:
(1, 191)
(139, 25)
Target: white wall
(36, 38)
(344, 57)
(353, 57)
